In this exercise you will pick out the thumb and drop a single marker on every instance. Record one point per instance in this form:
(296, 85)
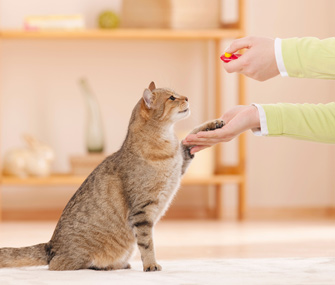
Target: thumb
(238, 44)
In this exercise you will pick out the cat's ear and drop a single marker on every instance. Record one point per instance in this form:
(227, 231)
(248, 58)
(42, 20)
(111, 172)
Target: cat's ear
(152, 86)
(148, 98)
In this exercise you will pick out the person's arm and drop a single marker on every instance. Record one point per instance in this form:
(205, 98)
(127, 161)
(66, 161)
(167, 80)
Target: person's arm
(301, 121)
(265, 58)
(296, 57)
(306, 57)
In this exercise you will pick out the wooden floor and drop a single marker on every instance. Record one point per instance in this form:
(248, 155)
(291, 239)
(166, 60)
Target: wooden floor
(211, 239)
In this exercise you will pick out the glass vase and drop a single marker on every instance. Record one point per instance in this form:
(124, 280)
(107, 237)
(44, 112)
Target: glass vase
(94, 128)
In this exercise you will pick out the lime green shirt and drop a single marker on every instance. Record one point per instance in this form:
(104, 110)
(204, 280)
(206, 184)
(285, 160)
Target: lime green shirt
(305, 58)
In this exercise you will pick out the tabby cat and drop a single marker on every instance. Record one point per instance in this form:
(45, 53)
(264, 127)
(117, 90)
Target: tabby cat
(123, 198)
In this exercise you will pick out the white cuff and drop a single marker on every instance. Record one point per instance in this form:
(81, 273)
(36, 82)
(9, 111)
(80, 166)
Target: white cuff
(279, 58)
(263, 131)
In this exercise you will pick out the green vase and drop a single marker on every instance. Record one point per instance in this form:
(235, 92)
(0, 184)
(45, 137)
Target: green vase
(94, 129)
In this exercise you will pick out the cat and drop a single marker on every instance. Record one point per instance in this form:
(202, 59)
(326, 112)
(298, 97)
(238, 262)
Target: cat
(123, 198)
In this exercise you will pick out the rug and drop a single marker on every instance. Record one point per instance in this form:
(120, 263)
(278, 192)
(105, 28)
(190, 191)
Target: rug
(274, 271)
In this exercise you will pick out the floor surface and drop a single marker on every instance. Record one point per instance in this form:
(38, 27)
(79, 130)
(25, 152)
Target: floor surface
(210, 239)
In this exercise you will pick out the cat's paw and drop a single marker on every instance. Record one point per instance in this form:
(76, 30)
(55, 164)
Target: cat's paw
(219, 123)
(152, 267)
(215, 124)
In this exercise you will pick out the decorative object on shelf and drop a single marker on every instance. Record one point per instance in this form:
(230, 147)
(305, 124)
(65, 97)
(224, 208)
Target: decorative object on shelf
(94, 129)
(54, 22)
(146, 14)
(85, 164)
(108, 20)
(174, 14)
(33, 160)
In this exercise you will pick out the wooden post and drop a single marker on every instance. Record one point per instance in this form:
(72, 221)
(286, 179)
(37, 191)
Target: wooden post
(241, 199)
(0, 148)
(0, 201)
(218, 99)
(218, 113)
(242, 138)
(218, 202)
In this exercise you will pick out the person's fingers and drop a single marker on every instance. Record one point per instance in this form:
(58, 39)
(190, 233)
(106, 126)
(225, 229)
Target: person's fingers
(202, 137)
(210, 134)
(238, 44)
(197, 148)
(235, 65)
(202, 141)
(238, 65)
(189, 139)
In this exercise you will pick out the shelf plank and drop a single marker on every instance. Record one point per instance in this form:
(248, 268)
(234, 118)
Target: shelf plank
(125, 34)
(52, 180)
(67, 179)
(211, 180)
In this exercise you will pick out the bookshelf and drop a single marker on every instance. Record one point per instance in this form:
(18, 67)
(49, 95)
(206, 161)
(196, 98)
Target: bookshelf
(223, 174)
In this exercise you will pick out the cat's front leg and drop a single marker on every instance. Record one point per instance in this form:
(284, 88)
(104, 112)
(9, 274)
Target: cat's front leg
(142, 227)
(186, 149)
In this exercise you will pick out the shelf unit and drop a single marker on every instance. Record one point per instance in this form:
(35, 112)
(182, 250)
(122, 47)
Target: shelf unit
(68, 179)
(223, 174)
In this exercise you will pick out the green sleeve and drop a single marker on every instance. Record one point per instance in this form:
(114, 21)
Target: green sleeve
(309, 57)
(302, 121)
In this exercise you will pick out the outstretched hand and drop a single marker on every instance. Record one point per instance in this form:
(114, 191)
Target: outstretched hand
(237, 119)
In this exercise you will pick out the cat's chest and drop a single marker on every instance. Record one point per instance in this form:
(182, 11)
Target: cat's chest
(159, 172)
(168, 174)
(169, 167)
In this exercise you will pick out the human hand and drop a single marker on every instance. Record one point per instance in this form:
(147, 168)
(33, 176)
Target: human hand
(237, 119)
(257, 62)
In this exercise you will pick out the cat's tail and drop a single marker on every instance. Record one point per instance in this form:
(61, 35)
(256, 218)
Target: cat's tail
(23, 256)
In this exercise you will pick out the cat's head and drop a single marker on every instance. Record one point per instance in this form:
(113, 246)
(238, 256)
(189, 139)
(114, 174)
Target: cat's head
(164, 105)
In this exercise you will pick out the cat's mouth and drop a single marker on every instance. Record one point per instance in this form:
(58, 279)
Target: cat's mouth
(184, 111)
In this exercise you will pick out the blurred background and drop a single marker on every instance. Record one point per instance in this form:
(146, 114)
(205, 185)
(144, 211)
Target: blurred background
(41, 96)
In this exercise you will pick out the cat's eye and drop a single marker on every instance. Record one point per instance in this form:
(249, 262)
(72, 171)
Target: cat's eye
(172, 98)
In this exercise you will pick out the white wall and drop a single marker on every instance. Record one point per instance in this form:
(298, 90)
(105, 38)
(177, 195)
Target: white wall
(40, 93)
(286, 172)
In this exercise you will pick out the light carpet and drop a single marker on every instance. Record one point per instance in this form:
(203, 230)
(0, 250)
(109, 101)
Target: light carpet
(319, 271)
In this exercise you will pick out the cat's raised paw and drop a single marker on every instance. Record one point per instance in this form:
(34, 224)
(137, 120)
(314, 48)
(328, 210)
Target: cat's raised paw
(152, 267)
(215, 124)
(219, 124)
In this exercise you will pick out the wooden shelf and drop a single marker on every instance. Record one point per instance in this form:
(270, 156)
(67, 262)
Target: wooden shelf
(52, 180)
(125, 34)
(212, 180)
(68, 179)
(214, 35)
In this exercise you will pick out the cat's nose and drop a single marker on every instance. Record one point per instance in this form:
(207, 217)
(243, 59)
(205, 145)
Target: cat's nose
(186, 99)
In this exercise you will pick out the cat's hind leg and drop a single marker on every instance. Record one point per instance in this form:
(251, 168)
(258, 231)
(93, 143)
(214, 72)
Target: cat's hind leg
(112, 267)
(64, 263)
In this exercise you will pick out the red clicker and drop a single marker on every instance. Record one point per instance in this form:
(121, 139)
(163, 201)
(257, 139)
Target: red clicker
(227, 57)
